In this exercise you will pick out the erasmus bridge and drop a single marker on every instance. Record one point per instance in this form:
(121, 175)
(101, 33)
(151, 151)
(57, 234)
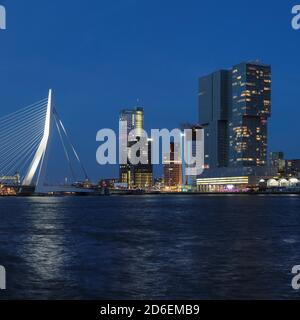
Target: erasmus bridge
(25, 137)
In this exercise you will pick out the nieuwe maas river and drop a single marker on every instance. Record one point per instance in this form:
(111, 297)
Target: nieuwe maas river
(150, 247)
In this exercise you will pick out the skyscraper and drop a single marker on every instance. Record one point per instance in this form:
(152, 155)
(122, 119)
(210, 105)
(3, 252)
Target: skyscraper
(293, 167)
(251, 108)
(173, 167)
(139, 175)
(135, 120)
(214, 113)
(277, 161)
(234, 107)
(192, 148)
(143, 173)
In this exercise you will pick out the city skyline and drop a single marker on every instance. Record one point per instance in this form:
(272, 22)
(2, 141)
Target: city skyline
(149, 160)
(221, 81)
(93, 76)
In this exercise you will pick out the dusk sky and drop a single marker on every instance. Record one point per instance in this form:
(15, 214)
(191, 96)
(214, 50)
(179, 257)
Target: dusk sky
(99, 56)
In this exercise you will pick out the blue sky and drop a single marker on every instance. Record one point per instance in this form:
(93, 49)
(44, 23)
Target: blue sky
(99, 56)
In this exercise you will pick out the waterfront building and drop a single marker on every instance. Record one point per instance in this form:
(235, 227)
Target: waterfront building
(293, 168)
(134, 118)
(143, 173)
(234, 107)
(173, 168)
(158, 184)
(108, 183)
(251, 108)
(234, 179)
(126, 174)
(277, 160)
(135, 121)
(283, 184)
(189, 170)
(214, 114)
(140, 175)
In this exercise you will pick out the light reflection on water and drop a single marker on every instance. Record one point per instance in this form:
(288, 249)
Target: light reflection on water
(44, 250)
(148, 247)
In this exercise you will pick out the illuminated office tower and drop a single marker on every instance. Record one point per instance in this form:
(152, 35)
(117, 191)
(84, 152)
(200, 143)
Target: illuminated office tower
(251, 108)
(139, 175)
(135, 120)
(173, 167)
(234, 107)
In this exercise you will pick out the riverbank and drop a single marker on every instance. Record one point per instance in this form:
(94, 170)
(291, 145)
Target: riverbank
(128, 193)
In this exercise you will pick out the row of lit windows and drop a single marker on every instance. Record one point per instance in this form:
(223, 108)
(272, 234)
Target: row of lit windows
(223, 181)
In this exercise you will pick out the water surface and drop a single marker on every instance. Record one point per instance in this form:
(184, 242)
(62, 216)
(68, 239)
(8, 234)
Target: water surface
(150, 247)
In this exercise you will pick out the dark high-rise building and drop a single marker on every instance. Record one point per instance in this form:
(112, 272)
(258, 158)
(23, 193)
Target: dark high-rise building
(293, 167)
(173, 167)
(277, 161)
(214, 111)
(276, 156)
(234, 107)
(190, 171)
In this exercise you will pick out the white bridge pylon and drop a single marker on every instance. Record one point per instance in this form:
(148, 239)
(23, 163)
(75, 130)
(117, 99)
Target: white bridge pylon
(41, 156)
(25, 137)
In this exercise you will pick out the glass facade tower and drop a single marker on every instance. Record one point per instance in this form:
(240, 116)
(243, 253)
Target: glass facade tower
(140, 175)
(214, 112)
(135, 120)
(251, 108)
(234, 107)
